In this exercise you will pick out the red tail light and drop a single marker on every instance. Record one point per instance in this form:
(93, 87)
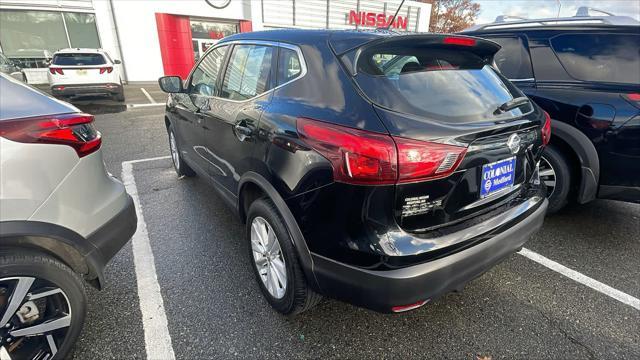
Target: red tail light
(546, 129)
(357, 156)
(364, 157)
(53, 71)
(421, 160)
(632, 97)
(462, 41)
(107, 69)
(75, 130)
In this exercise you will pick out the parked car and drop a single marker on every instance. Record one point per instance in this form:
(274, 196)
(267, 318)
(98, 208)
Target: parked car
(10, 68)
(76, 72)
(585, 72)
(384, 186)
(62, 218)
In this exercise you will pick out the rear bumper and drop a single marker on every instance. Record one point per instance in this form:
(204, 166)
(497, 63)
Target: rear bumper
(86, 89)
(381, 290)
(111, 237)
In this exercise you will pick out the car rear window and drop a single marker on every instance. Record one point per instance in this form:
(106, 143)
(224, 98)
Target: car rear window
(600, 57)
(452, 85)
(78, 59)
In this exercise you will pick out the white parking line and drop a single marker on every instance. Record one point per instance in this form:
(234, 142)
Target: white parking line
(154, 319)
(147, 95)
(144, 105)
(582, 279)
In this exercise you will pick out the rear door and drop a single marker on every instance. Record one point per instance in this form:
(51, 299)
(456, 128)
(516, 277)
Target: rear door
(605, 68)
(448, 94)
(230, 123)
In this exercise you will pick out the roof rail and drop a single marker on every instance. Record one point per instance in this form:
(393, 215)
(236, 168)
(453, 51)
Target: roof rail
(585, 11)
(505, 18)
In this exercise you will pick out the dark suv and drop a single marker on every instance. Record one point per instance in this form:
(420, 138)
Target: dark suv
(585, 72)
(371, 167)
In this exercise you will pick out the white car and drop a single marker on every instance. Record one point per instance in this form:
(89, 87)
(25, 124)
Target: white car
(76, 72)
(62, 218)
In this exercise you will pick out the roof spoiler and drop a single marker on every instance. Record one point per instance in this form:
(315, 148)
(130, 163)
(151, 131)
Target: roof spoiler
(481, 47)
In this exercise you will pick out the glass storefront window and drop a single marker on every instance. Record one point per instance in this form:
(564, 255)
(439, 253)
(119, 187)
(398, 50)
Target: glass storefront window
(26, 34)
(82, 30)
(211, 30)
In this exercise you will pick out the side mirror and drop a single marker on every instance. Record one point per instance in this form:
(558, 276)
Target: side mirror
(171, 84)
(117, 62)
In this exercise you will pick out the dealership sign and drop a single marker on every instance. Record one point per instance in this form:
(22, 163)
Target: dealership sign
(377, 20)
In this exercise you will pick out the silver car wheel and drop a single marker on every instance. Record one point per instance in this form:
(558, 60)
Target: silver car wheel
(268, 257)
(547, 176)
(174, 150)
(36, 315)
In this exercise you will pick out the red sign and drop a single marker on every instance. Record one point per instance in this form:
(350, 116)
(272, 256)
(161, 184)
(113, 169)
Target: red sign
(376, 20)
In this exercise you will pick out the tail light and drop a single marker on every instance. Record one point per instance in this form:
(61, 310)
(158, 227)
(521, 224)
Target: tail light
(632, 97)
(357, 156)
(75, 130)
(107, 69)
(546, 129)
(364, 157)
(54, 71)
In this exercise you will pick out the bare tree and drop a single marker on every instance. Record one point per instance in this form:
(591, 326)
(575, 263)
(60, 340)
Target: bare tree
(448, 16)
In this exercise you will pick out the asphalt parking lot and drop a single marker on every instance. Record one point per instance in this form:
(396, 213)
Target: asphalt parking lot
(214, 309)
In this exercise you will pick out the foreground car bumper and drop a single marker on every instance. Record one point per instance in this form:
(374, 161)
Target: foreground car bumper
(88, 89)
(111, 237)
(382, 290)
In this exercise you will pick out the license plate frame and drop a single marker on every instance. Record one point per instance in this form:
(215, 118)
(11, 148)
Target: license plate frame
(497, 176)
(81, 72)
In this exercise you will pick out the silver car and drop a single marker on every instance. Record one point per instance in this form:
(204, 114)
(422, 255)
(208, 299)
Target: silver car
(62, 218)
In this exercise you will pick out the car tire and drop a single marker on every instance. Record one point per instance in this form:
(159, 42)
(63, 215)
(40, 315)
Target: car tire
(181, 167)
(25, 275)
(555, 173)
(273, 255)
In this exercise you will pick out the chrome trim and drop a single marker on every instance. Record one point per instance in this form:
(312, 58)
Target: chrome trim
(527, 79)
(277, 44)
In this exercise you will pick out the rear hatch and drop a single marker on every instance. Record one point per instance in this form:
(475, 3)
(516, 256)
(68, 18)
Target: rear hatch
(80, 68)
(444, 103)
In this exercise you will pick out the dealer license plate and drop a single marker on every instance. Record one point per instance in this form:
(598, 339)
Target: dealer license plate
(498, 176)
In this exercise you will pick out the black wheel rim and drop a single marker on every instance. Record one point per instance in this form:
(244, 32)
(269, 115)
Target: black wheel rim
(36, 316)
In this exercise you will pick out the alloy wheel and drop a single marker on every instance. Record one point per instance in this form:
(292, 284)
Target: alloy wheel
(268, 257)
(36, 316)
(547, 176)
(174, 150)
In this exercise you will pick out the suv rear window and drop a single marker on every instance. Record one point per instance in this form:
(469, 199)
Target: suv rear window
(78, 59)
(600, 57)
(513, 58)
(443, 84)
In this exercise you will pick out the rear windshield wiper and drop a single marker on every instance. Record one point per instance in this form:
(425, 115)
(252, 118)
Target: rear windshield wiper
(511, 104)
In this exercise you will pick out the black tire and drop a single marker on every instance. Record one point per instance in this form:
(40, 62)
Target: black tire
(298, 297)
(44, 269)
(181, 167)
(558, 197)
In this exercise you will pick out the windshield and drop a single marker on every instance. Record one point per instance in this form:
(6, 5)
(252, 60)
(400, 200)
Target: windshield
(443, 84)
(78, 59)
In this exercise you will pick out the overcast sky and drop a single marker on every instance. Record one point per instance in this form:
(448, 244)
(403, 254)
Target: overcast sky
(535, 9)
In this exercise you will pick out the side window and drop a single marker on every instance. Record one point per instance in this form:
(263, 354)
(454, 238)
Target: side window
(203, 80)
(513, 59)
(600, 57)
(248, 72)
(289, 66)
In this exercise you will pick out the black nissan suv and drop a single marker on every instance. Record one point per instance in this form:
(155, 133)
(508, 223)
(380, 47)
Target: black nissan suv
(585, 72)
(371, 167)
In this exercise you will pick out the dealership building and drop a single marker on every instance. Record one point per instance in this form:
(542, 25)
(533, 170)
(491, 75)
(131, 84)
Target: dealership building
(166, 37)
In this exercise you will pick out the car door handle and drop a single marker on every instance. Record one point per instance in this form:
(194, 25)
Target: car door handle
(243, 130)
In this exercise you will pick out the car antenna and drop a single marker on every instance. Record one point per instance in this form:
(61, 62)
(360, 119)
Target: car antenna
(394, 16)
